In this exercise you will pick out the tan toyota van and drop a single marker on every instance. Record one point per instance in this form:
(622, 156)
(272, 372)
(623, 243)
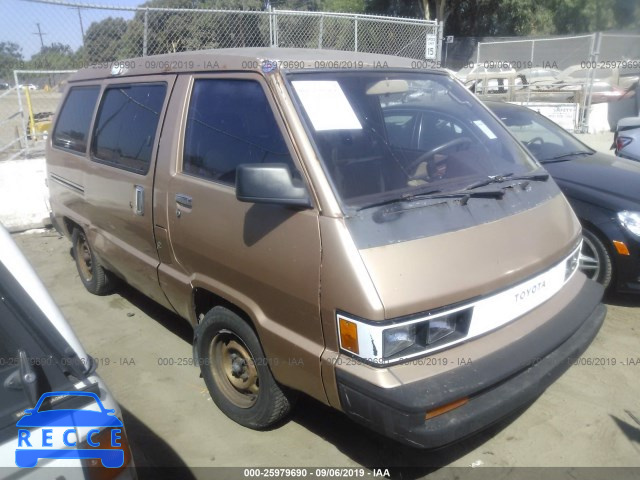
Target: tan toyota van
(332, 223)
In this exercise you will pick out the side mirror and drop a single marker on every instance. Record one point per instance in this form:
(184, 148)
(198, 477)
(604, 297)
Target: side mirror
(270, 183)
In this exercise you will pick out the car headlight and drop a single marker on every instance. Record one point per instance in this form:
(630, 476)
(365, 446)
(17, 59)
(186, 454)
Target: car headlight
(571, 264)
(630, 221)
(402, 338)
(395, 340)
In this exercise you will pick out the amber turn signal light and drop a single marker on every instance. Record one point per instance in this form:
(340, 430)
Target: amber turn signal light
(445, 408)
(621, 247)
(349, 335)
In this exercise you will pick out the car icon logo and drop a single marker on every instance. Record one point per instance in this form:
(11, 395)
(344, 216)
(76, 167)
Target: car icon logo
(34, 445)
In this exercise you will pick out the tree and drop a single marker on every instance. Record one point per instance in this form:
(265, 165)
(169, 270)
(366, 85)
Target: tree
(55, 57)
(103, 40)
(10, 59)
(347, 6)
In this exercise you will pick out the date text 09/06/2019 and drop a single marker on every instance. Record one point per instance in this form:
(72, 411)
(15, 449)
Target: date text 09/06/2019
(303, 472)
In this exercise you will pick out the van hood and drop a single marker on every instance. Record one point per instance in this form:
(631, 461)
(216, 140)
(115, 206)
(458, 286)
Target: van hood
(608, 181)
(439, 270)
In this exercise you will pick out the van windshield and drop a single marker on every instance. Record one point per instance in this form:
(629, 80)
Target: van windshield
(383, 135)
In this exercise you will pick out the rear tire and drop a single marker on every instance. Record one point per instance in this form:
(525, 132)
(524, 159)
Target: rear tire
(595, 261)
(237, 373)
(93, 275)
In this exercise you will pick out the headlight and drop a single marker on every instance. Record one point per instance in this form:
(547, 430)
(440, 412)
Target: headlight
(424, 335)
(398, 339)
(630, 221)
(440, 328)
(572, 262)
(407, 339)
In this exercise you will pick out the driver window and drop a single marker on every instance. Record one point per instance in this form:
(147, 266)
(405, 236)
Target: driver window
(230, 122)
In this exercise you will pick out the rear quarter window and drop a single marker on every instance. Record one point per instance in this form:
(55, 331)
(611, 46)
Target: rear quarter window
(72, 127)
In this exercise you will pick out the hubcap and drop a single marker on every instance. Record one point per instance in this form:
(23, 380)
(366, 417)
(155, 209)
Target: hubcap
(590, 263)
(84, 258)
(234, 369)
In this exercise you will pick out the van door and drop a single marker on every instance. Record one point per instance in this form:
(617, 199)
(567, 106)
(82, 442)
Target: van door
(119, 179)
(265, 259)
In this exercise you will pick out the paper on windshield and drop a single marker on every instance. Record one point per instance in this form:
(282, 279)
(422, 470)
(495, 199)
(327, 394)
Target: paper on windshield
(486, 130)
(326, 105)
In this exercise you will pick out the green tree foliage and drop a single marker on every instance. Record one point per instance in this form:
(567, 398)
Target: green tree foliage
(103, 40)
(582, 16)
(517, 17)
(496, 18)
(57, 56)
(347, 6)
(10, 59)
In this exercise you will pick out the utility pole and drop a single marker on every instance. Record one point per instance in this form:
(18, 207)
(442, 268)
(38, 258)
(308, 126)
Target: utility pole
(81, 26)
(40, 34)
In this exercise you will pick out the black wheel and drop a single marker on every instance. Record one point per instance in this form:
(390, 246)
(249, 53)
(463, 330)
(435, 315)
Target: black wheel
(236, 371)
(93, 275)
(595, 261)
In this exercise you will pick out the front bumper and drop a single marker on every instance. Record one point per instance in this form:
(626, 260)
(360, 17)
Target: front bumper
(493, 390)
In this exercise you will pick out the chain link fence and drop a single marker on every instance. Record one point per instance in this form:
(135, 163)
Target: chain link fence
(97, 33)
(598, 74)
(73, 35)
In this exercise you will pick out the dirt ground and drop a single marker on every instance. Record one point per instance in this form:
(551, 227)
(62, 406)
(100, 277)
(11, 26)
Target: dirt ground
(589, 418)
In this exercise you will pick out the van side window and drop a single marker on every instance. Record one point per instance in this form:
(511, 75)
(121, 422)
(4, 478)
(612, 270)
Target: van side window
(230, 122)
(126, 125)
(72, 127)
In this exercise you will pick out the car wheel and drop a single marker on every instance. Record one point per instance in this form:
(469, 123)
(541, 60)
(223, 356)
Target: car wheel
(595, 261)
(93, 275)
(237, 372)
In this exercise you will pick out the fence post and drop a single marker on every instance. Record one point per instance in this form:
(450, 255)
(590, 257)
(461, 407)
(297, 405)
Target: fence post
(439, 36)
(273, 26)
(146, 33)
(593, 57)
(270, 10)
(533, 47)
(21, 108)
(355, 33)
(321, 28)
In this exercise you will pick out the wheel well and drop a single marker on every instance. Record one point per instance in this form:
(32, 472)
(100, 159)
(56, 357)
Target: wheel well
(600, 234)
(204, 300)
(606, 242)
(70, 225)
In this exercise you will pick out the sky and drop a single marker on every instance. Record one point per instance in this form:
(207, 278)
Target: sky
(19, 19)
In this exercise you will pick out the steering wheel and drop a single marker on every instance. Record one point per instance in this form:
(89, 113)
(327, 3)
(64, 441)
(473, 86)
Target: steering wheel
(426, 155)
(539, 140)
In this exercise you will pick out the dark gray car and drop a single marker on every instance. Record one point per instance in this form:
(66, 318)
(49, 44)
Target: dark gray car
(627, 138)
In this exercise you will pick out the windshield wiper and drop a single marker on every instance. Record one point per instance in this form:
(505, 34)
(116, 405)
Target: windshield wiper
(435, 194)
(565, 156)
(505, 177)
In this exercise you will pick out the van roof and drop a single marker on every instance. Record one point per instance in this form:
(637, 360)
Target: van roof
(239, 59)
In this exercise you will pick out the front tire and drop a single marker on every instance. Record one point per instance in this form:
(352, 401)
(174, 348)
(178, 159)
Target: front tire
(595, 261)
(237, 373)
(93, 275)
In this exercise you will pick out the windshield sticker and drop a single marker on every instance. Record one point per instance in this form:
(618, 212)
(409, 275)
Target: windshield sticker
(481, 125)
(326, 105)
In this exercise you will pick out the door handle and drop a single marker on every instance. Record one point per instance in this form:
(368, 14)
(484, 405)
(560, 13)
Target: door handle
(139, 200)
(184, 200)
